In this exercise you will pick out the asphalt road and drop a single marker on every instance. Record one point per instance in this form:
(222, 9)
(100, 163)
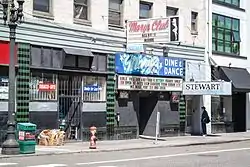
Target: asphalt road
(220, 155)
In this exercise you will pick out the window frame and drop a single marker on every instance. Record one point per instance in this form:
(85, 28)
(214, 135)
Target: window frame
(170, 8)
(36, 95)
(48, 14)
(99, 96)
(222, 38)
(194, 22)
(79, 20)
(120, 12)
(217, 105)
(231, 4)
(150, 9)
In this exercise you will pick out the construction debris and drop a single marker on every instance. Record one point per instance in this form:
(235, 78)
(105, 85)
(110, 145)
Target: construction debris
(53, 137)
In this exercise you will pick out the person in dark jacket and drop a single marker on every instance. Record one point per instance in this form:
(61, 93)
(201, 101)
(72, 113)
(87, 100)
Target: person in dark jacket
(204, 120)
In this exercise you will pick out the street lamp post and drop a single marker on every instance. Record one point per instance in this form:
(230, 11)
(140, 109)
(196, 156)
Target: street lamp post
(12, 15)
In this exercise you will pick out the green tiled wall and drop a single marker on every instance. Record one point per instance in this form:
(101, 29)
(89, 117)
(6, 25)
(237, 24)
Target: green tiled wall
(23, 79)
(110, 96)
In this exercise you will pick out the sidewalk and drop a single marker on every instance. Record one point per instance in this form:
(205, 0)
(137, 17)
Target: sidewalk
(119, 145)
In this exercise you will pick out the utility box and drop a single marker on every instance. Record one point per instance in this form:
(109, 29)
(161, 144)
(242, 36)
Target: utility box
(26, 137)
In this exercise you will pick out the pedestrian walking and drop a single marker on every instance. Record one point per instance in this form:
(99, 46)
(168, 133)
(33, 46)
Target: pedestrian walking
(204, 120)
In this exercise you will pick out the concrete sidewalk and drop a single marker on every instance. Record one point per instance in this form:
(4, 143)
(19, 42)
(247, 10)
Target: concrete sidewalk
(120, 145)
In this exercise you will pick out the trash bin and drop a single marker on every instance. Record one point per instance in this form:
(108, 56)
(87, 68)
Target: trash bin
(26, 137)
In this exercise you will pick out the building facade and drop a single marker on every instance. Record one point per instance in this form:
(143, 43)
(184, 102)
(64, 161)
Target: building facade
(70, 50)
(230, 61)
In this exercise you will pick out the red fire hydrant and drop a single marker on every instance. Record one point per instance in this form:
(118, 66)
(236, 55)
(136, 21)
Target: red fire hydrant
(93, 138)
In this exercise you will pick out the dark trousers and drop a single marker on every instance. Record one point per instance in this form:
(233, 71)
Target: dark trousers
(204, 128)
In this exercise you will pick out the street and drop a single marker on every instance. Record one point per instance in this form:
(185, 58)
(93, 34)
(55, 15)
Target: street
(219, 155)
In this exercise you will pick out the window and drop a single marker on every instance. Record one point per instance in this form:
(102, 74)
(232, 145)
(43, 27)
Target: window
(145, 10)
(99, 62)
(194, 20)
(217, 114)
(171, 11)
(98, 86)
(77, 62)
(4, 88)
(81, 9)
(226, 34)
(46, 57)
(229, 2)
(42, 6)
(43, 86)
(115, 12)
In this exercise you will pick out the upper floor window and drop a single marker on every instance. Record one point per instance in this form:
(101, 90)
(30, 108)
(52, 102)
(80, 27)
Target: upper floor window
(226, 34)
(42, 6)
(115, 12)
(81, 9)
(171, 11)
(145, 10)
(194, 22)
(229, 2)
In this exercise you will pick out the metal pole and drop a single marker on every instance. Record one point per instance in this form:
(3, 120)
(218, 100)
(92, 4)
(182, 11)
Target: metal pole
(157, 128)
(11, 146)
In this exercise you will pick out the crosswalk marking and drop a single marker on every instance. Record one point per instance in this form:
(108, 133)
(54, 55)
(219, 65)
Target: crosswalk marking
(49, 165)
(7, 164)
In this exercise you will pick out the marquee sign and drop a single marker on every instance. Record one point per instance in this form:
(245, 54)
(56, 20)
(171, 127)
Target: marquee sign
(207, 88)
(140, 64)
(149, 83)
(161, 30)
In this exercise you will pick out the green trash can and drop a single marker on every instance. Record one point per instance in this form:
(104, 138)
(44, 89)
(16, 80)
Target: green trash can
(26, 137)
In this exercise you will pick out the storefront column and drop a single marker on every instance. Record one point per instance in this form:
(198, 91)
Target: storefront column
(248, 112)
(207, 104)
(110, 96)
(23, 83)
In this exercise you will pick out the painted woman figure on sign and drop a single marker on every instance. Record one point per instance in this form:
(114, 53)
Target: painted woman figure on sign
(174, 36)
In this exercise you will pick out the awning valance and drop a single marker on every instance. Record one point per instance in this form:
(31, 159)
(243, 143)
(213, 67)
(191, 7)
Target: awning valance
(78, 52)
(240, 78)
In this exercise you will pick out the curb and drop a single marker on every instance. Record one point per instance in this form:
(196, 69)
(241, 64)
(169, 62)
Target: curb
(123, 149)
(211, 143)
(151, 138)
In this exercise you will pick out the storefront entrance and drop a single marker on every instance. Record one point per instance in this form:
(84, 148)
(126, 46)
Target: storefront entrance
(147, 104)
(239, 112)
(81, 104)
(193, 113)
(70, 101)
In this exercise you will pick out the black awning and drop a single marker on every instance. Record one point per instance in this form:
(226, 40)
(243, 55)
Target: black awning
(78, 59)
(240, 78)
(78, 52)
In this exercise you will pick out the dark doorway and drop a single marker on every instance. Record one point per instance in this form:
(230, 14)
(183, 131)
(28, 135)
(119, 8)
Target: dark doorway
(239, 111)
(147, 103)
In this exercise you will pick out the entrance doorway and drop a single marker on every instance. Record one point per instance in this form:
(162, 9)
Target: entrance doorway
(189, 114)
(193, 115)
(239, 112)
(70, 99)
(147, 103)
